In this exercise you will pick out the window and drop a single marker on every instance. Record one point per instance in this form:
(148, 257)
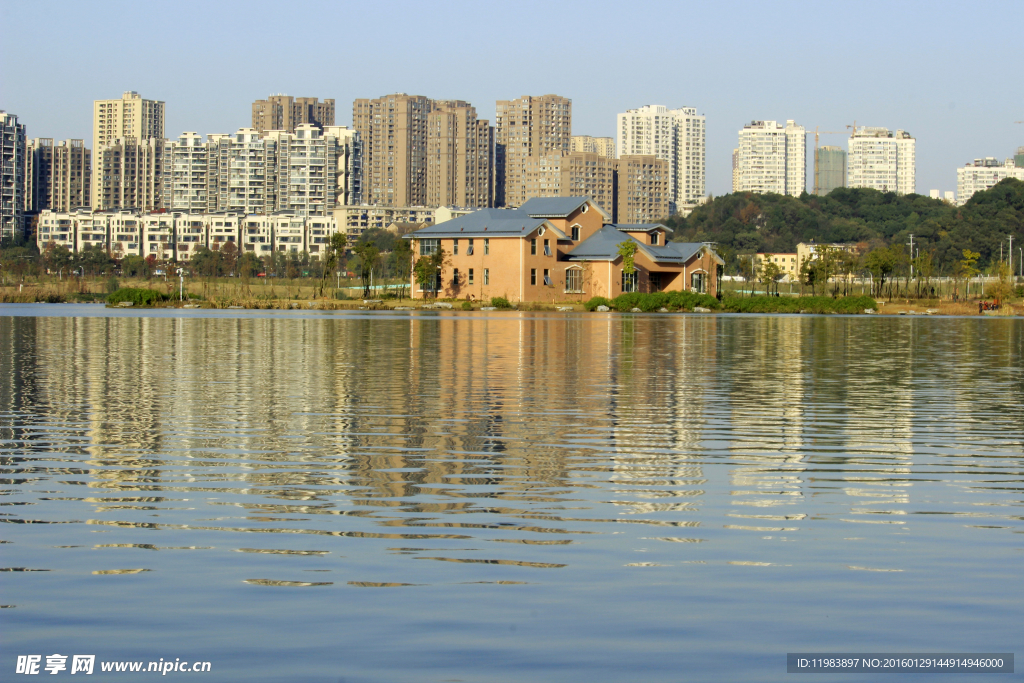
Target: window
(487, 276)
(654, 239)
(547, 248)
(630, 283)
(455, 247)
(533, 247)
(487, 246)
(547, 277)
(455, 277)
(575, 233)
(471, 274)
(698, 282)
(573, 280)
(655, 281)
(533, 276)
(469, 249)
(429, 247)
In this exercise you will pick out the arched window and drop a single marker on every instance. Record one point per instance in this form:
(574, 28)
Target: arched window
(574, 279)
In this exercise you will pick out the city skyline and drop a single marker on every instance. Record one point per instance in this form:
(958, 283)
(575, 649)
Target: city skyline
(842, 73)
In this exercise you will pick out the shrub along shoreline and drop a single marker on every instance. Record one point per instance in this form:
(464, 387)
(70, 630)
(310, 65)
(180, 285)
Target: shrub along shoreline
(687, 301)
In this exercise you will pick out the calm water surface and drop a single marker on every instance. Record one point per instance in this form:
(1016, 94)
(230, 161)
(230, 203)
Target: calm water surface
(296, 496)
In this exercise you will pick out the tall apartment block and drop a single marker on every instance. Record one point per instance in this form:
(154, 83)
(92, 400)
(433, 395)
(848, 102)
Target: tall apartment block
(601, 146)
(526, 127)
(130, 117)
(674, 135)
(984, 174)
(58, 176)
(772, 158)
(348, 171)
(633, 189)
(459, 157)
(186, 184)
(423, 152)
(12, 177)
(1018, 158)
(829, 169)
(130, 175)
(308, 172)
(882, 161)
(283, 112)
(644, 189)
(394, 134)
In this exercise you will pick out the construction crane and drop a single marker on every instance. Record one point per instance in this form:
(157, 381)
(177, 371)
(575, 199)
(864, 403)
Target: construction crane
(816, 134)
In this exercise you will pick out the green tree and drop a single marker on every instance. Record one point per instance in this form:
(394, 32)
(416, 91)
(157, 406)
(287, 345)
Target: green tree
(368, 255)
(428, 269)
(331, 259)
(965, 268)
(770, 275)
(627, 250)
(881, 263)
(401, 257)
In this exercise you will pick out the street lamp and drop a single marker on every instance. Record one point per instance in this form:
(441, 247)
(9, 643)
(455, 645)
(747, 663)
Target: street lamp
(181, 284)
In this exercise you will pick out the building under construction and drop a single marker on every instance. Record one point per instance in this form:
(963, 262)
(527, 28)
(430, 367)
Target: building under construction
(829, 169)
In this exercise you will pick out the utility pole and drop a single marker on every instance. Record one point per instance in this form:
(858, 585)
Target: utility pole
(1011, 256)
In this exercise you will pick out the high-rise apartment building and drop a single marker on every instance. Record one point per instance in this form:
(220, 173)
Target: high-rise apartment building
(129, 173)
(58, 176)
(674, 135)
(1018, 158)
(574, 174)
(526, 127)
(772, 158)
(186, 180)
(829, 169)
(283, 112)
(644, 189)
(423, 152)
(882, 161)
(459, 157)
(305, 171)
(983, 174)
(394, 134)
(130, 117)
(601, 146)
(308, 172)
(12, 177)
(589, 174)
(241, 169)
(348, 171)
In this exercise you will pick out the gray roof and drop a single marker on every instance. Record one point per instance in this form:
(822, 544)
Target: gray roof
(642, 227)
(486, 222)
(603, 245)
(557, 207)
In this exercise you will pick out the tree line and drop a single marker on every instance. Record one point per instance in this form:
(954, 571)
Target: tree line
(378, 255)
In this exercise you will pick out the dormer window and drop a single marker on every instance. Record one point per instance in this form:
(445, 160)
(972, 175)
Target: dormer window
(654, 239)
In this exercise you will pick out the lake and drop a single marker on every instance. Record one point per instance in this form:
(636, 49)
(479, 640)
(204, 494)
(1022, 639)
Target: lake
(364, 496)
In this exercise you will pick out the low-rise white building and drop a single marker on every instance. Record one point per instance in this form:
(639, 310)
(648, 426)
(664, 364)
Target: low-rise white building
(983, 174)
(178, 236)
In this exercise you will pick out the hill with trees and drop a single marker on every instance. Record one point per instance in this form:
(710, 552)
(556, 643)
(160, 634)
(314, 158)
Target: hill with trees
(745, 223)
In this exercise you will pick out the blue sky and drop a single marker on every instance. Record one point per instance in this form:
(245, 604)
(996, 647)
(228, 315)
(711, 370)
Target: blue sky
(949, 73)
